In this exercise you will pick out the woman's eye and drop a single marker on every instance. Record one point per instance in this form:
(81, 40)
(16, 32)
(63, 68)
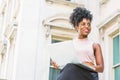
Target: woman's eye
(83, 24)
(89, 24)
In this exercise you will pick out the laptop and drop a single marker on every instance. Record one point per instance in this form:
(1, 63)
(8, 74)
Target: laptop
(63, 53)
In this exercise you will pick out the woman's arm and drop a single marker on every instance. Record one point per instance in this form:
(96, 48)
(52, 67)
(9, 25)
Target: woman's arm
(99, 58)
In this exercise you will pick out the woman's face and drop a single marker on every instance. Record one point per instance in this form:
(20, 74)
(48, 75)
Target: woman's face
(84, 27)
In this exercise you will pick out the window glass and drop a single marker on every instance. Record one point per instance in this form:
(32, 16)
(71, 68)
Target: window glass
(116, 54)
(55, 41)
(116, 57)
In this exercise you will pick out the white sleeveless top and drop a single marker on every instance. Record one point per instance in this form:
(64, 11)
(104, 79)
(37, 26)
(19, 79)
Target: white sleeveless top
(84, 50)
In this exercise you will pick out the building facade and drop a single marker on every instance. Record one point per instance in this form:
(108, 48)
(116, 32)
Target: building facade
(28, 26)
(109, 30)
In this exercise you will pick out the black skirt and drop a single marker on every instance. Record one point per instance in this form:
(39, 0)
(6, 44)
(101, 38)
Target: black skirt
(74, 72)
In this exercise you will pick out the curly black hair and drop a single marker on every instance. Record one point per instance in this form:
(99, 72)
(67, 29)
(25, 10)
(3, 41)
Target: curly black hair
(78, 15)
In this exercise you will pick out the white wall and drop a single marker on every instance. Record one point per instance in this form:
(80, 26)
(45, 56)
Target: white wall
(110, 7)
(93, 6)
(27, 40)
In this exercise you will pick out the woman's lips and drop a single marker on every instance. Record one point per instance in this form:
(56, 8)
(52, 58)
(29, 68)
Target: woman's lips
(86, 30)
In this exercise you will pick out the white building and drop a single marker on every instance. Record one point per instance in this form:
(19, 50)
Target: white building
(27, 26)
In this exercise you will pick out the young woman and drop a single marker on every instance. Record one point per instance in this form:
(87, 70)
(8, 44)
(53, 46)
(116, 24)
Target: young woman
(88, 52)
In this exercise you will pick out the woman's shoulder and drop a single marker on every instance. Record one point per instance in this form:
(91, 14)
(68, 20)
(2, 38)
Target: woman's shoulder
(95, 42)
(96, 45)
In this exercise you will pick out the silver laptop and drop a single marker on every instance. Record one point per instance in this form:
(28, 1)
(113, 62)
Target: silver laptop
(63, 53)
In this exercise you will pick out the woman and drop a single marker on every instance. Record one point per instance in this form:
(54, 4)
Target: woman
(88, 52)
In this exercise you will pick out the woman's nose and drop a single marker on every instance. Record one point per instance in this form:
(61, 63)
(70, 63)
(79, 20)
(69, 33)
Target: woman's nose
(87, 25)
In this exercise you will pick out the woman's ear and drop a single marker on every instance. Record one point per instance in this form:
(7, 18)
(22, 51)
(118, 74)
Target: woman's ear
(76, 28)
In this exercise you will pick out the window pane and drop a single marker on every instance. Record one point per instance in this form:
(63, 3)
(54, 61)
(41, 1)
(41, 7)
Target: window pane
(116, 54)
(117, 73)
(53, 74)
(55, 41)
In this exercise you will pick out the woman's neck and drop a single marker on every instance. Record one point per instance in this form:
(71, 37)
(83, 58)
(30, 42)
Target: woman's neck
(82, 37)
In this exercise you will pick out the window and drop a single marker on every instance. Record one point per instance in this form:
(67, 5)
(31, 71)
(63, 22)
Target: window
(55, 41)
(53, 73)
(59, 34)
(58, 29)
(55, 38)
(116, 57)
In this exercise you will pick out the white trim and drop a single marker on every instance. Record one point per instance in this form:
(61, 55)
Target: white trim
(108, 43)
(103, 2)
(60, 31)
(3, 65)
(116, 34)
(16, 9)
(108, 19)
(116, 65)
(2, 7)
(111, 31)
(50, 21)
(113, 66)
(57, 16)
(64, 2)
(58, 25)
(10, 29)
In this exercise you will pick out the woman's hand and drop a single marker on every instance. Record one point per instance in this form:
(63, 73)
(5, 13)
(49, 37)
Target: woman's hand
(90, 64)
(55, 65)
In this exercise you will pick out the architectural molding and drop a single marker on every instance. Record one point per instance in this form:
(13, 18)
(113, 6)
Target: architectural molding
(106, 21)
(57, 16)
(102, 2)
(60, 28)
(51, 21)
(63, 33)
(2, 8)
(10, 30)
(17, 9)
(3, 48)
(65, 2)
(3, 57)
(110, 25)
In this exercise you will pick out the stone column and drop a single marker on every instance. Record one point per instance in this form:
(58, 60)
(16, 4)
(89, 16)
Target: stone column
(31, 57)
